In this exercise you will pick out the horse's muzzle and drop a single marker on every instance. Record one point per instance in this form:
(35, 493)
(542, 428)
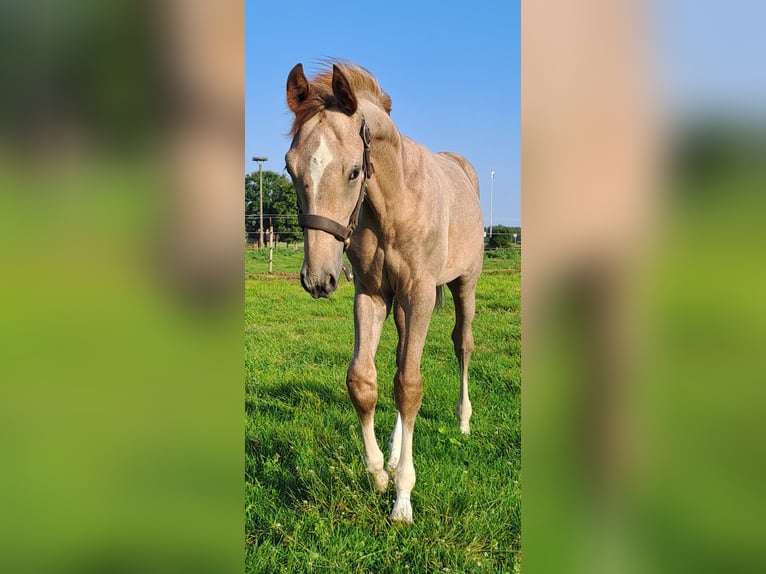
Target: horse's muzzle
(322, 285)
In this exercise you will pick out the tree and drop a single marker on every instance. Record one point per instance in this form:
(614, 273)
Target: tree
(280, 204)
(502, 236)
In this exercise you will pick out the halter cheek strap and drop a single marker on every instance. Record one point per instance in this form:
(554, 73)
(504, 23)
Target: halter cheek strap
(340, 232)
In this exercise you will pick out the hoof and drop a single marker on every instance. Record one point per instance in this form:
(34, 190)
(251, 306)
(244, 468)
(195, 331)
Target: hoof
(463, 416)
(402, 512)
(381, 480)
(392, 463)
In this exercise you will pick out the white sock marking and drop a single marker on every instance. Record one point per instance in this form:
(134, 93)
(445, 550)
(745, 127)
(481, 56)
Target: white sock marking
(395, 443)
(373, 457)
(405, 479)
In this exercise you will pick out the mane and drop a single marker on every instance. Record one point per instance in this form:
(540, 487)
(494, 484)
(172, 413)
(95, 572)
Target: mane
(362, 82)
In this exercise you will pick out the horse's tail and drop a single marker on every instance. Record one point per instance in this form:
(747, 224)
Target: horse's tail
(439, 297)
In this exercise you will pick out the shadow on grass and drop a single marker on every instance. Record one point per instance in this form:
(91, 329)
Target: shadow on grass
(296, 425)
(281, 399)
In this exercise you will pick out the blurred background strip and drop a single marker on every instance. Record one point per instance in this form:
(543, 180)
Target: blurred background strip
(121, 349)
(643, 316)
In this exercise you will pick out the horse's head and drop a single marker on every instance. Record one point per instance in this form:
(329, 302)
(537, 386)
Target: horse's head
(328, 165)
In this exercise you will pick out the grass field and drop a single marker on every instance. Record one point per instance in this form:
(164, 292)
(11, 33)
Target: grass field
(309, 503)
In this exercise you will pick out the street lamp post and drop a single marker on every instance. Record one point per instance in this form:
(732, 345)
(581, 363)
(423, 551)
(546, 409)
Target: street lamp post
(491, 195)
(260, 161)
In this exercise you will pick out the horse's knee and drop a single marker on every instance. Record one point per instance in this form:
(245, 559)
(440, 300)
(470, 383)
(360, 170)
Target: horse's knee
(468, 344)
(462, 340)
(408, 393)
(362, 386)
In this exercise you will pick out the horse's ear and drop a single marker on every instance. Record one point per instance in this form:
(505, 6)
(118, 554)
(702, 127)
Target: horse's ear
(341, 89)
(298, 87)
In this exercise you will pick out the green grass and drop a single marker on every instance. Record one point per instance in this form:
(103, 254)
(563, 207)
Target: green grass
(310, 505)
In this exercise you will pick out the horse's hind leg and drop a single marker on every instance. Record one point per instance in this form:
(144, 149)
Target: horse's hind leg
(362, 379)
(395, 442)
(464, 295)
(412, 318)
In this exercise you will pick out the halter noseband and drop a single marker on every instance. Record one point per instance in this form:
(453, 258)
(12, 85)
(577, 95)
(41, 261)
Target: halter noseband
(341, 233)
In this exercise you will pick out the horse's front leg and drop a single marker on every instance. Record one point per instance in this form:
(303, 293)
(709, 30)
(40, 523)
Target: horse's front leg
(412, 320)
(362, 380)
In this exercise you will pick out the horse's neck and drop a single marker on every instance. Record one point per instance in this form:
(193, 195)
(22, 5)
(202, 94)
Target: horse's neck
(385, 187)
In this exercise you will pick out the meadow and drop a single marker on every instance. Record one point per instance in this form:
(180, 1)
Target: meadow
(310, 505)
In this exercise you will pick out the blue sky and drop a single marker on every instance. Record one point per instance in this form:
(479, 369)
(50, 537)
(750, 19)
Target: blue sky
(710, 57)
(452, 71)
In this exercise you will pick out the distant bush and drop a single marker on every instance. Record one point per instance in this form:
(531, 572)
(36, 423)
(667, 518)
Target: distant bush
(502, 236)
(501, 253)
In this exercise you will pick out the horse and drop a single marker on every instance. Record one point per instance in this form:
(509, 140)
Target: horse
(409, 221)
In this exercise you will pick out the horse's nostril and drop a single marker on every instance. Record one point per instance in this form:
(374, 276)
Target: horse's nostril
(332, 282)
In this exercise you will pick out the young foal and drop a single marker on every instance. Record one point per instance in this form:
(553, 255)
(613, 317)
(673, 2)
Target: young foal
(411, 222)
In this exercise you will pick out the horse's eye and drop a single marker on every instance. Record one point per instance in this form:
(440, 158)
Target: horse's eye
(354, 174)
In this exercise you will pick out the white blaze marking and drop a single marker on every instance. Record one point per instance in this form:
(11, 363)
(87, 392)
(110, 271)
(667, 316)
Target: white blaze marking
(319, 162)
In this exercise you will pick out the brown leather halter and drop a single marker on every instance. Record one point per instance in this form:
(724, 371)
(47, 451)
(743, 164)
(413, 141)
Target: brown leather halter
(340, 232)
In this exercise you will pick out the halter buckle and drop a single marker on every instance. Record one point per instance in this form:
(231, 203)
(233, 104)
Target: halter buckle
(367, 166)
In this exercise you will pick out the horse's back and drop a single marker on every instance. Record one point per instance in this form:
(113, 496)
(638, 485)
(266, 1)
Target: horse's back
(461, 180)
(465, 166)
(465, 237)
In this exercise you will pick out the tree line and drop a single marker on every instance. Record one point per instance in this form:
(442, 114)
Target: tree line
(280, 206)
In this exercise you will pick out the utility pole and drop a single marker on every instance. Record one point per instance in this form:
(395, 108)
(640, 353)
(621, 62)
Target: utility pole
(491, 195)
(260, 161)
